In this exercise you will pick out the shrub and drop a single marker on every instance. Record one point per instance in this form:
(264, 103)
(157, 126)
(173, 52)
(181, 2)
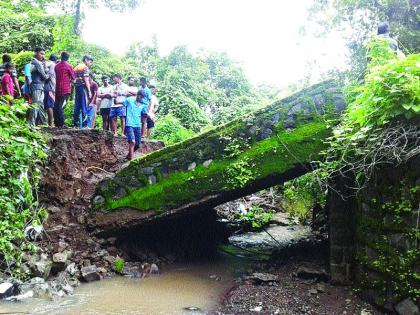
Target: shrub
(22, 151)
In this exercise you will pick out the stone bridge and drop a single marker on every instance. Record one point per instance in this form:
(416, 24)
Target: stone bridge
(259, 150)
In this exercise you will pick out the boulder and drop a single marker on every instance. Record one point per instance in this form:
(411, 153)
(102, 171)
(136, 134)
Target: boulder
(59, 262)
(42, 267)
(154, 269)
(72, 269)
(90, 273)
(33, 233)
(407, 307)
(7, 289)
(37, 286)
(260, 277)
(310, 273)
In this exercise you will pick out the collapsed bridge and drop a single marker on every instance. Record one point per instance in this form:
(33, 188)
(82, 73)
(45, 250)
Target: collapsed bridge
(260, 150)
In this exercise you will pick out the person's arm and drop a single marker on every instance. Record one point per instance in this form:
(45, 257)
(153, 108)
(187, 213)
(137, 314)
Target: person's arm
(87, 84)
(28, 83)
(40, 68)
(95, 92)
(16, 84)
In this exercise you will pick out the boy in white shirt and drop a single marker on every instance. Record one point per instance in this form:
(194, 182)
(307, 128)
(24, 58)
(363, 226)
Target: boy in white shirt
(117, 108)
(105, 93)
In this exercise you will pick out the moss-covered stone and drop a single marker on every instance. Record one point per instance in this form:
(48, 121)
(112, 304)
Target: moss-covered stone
(387, 235)
(261, 149)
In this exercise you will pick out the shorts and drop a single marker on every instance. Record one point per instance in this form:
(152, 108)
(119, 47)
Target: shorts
(48, 100)
(117, 112)
(105, 111)
(133, 134)
(150, 123)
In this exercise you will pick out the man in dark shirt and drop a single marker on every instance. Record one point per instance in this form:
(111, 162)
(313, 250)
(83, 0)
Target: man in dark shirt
(6, 59)
(39, 77)
(64, 76)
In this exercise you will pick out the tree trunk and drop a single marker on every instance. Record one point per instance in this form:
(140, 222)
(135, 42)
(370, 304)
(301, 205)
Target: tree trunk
(77, 18)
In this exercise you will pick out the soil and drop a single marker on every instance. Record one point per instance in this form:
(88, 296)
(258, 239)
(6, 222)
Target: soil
(291, 294)
(78, 160)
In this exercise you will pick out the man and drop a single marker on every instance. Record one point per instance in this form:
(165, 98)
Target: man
(151, 111)
(64, 76)
(39, 77)
(6, 58)
(105, 93)
(83, 92)
(132, 90)
(49, 88)
(28, 79)
(145, 102)
(118, 108)
(383, 31)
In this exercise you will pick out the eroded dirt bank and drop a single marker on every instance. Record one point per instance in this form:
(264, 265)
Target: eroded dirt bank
(78, 160)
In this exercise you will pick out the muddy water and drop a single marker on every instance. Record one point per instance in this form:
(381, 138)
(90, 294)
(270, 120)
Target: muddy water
(170, 293)
(197, 285)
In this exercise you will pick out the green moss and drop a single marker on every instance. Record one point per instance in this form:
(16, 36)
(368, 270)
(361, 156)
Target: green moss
(273, 155)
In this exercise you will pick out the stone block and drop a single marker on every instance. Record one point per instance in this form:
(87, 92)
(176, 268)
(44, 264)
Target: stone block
(407, 307)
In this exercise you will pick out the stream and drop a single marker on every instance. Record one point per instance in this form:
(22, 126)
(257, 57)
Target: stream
(185, 288)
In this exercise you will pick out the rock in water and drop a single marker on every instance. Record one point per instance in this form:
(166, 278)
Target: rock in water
(407, 307)
(7, 289)
(90, 273)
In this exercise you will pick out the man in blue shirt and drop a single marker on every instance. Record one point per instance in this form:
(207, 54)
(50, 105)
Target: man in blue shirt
(132, 122)
(28, 79)
(144, 105)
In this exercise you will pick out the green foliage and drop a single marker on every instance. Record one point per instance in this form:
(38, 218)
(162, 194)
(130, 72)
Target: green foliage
(256, 216)
(170, 131)
(24, 27)
(119, 264)
(361, 18)
(22, 152)
(300, 195)
(390, 94)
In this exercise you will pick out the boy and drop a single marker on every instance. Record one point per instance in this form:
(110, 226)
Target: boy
(91, 113)
(7, 86)
(133, 123)
(117, 108)
(145, 105)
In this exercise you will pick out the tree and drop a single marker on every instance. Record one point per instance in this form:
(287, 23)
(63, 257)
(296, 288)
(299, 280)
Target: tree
(358, 20)
(24, 27)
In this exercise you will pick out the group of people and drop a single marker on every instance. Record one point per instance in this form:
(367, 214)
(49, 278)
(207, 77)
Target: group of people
(48, 85)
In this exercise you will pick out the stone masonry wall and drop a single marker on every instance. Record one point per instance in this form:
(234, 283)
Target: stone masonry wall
(374, 238)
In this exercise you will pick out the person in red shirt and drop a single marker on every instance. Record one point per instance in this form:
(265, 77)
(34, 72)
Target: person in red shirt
(7, 85)
(65, 75)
